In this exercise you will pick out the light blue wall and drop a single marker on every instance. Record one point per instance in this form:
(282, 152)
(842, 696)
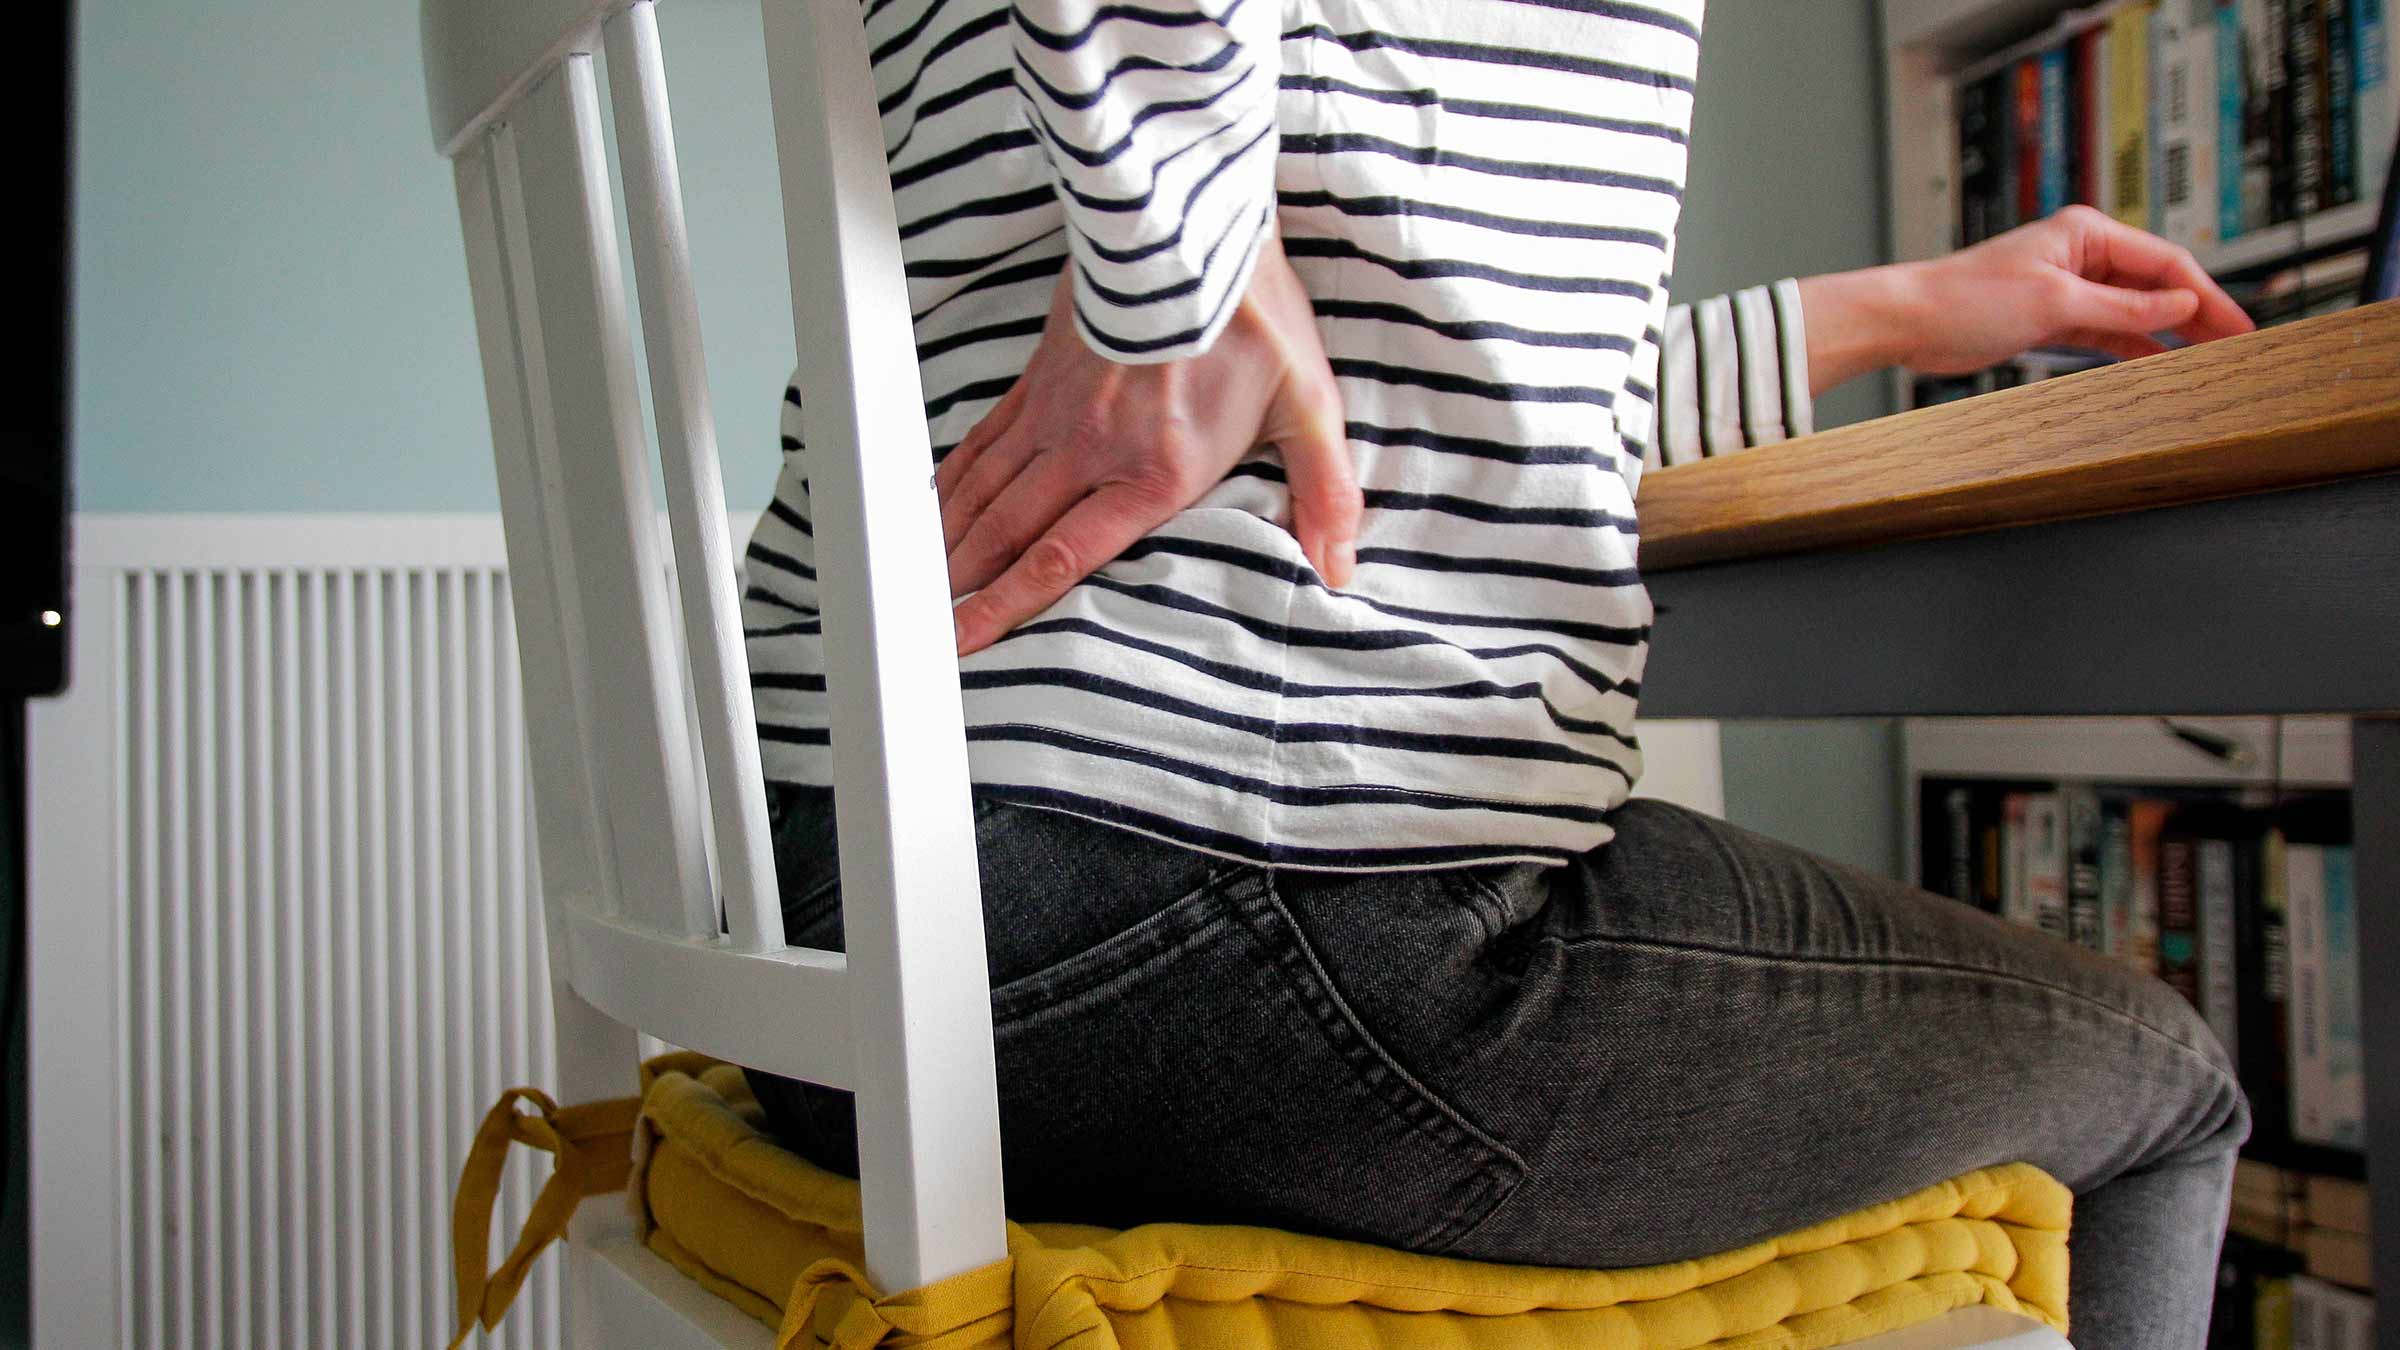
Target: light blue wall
(271, 306)
(1786, 164)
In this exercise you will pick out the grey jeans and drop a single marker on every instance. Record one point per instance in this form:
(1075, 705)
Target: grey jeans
(1690, 1039)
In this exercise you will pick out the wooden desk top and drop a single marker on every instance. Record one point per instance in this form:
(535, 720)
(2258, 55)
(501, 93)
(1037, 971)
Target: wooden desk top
(2304, 403)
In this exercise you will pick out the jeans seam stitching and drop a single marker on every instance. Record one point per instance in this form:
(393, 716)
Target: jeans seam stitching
(1916, 964)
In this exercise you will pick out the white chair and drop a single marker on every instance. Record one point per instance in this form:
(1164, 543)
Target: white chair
(658, 882)
(657, 879)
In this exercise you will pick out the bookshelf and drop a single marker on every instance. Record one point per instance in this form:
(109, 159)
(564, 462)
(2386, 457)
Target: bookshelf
(1933, 49)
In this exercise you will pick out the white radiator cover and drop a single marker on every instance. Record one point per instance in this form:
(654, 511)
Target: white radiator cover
(285, 945)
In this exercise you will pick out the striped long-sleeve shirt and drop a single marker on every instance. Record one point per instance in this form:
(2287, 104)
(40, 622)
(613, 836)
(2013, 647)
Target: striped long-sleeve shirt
(1480, 197)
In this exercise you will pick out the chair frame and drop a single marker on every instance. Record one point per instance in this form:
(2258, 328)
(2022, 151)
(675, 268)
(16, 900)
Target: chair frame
(658, 884)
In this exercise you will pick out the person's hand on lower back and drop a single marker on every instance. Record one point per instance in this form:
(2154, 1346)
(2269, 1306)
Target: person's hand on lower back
(2078, 279)
(1084, 455)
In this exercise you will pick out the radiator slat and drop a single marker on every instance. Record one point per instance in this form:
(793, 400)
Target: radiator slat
(331, 961)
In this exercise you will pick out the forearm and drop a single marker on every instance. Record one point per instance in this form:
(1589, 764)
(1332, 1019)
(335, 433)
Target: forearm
(1859, 322)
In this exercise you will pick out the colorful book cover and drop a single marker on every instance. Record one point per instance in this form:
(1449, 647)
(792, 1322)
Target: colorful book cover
(2116, 878)
(2146, 822)
(2306, 1049)
(2129, 120)
(2046, 862)
(2232, 110)
(2341, 105)
(2183, 121)
(2219, 1003)
(2016, 902)
(2262, 84)
(2028, 106)
(1978, 177)
(2095, 129)
(2082, 809)
(2304, 67)
(2258, 1005)
(2057, 147)
(2006, 160)
(2375, 97)
(2179, 914)
(2344, 1044)
(2087, 90)
(2282, 165)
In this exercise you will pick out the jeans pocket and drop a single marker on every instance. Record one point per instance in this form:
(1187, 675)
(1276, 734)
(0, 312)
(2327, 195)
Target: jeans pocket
(1200, 1067)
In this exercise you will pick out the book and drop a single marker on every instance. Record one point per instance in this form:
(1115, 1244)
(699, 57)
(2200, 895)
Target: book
(2341, 105)
(2129, 120)
(2258, 1001)
(2056, 149)
(2232, 123)
(2083, 76)
(2082, 809)
(2275, 55)
(2345, 1049)
(2046, 862)
(2016, 902)
(2213, 861)
(2308, 1049)
(2344, 1258)
(2261, 60)
(2339, 1203)
(2116, 878)
(2328, 1317)
(2265, 973)
(2146, 821)
(2304, 66)
(2183, 115)
(2179, 913)
(2375, 98)
(2027, 113)
(1978, 167)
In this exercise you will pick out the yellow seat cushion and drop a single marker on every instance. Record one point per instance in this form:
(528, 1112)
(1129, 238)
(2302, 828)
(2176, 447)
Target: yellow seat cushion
(780, 1238)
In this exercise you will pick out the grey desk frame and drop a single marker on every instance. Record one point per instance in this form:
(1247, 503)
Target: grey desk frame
(2284, 602)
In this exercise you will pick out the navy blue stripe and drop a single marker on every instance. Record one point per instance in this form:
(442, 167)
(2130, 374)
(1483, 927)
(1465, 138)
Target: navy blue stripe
(1527, 57)
(1418, 269)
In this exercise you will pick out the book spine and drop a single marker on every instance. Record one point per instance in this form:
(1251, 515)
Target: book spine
(2282, 165)
(2375, 97)
(1960, 834)
(2028, 118)
(2232, 112)
(2006, 159)
(2046, 862)
(2307, 1013)
(2304, 62)
(2084, 923)
(2341, 105)
(2056, 150)
(2200, 85)
(2129, 115)
(2218, 945)
(2147, 820)
(2261, 1062)
(2272, 982)
(2116, 879)
(2344, 1044)
(2179, 915)
(1974, 170)
(2178, 128)
(2095, 132)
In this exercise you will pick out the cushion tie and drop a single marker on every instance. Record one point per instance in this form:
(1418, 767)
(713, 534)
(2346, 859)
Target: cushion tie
(834, 1307)
(593, 1142)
